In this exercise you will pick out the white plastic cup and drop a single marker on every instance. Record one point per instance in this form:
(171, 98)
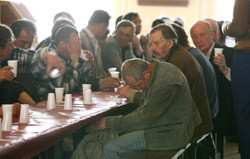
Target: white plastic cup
(51, 101)
(59, 94)
(112, 69)
(83, 56)
(115, 74)
(87, 97)
(218, 51)
(68, 102)
(13, 63)
(85, 87)
(118, 100)
(7, 117)
(24, 114)
(55, 73)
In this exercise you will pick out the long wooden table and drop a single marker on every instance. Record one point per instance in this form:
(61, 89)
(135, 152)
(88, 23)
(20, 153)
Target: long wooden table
(48, 127)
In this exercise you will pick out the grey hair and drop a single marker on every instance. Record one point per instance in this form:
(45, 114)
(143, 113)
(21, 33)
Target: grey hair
(134, 68)
(126, 23)
(167, 31)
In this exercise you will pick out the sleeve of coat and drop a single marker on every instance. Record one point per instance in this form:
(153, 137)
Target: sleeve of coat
(147, 113)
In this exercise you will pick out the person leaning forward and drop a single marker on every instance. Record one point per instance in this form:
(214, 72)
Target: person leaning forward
(165, 119)
(163, 40)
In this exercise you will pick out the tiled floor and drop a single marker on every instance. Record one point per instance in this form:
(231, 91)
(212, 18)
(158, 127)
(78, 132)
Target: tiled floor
(230, 151)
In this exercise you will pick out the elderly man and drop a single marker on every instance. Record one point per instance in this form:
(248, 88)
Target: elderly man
(207, 68)
(202, 36)
(164, 45)
(171, 125)
(118, 47)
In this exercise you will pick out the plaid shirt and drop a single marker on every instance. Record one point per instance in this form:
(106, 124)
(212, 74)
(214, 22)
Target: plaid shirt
(24, 58)
(76, 74)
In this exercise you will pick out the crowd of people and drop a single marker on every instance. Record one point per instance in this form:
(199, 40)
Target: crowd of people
(180, 91)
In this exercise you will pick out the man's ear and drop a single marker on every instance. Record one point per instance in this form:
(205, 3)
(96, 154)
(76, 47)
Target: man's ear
(170, 43)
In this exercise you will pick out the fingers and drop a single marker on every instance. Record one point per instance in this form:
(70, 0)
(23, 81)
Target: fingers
(54, 62)
(6, 74)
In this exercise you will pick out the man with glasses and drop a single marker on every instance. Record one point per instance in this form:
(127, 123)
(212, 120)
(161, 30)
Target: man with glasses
(119, 46)
(166, 49)
(164, 45)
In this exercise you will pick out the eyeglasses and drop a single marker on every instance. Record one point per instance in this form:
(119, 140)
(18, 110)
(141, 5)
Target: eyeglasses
(157, 42)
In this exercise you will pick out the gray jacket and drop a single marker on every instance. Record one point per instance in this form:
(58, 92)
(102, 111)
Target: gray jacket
(167, 111)
(112, 54)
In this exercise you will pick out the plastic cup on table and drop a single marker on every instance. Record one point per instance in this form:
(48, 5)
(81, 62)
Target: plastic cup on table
(24, 114)
(68, 102)
(85, 87)
(7, 117)
(87, 97)
(59, 94)
(51, 101)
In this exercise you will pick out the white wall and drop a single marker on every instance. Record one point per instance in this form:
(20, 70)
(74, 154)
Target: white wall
(195, 10)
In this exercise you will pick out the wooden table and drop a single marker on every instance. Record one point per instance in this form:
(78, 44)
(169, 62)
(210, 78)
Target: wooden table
(48, 127)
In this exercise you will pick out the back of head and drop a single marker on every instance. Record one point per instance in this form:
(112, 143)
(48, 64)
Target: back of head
(134, 68)
(213, 24)
(167, 20)
(130, 16)
(126, 23)
(118, 19)
(167, 31)
(23, 24)
(98, 17)
(63, 15)
(58, 24)
(182, 36)
(202, 24)
(157, 22)
(64, 33)
(6, 34)
(179, 21)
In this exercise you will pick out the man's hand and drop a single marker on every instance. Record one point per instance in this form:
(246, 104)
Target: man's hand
(136, 43)
(221, 62)
(109, 83)
(124, 91)
(98, 125)
(15, 111)
(106, 75)
(144, 40)
(6, 74)
(90, 58)
(74, 47)
(53, 61)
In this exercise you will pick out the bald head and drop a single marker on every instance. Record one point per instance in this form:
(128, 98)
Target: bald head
(202, 36)
(215, 28)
